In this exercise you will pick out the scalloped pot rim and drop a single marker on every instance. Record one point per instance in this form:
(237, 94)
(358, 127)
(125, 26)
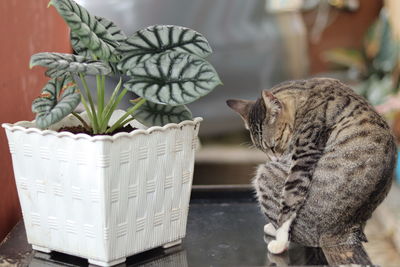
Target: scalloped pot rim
(16, 127)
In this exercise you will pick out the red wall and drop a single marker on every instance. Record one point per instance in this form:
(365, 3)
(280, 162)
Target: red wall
(27, 27)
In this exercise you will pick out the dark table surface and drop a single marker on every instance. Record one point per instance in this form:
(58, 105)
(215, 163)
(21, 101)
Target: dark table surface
(225, 228)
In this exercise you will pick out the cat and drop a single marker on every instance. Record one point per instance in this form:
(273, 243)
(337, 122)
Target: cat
(330, 162)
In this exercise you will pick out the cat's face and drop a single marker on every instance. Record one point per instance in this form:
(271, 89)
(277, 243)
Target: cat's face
(265, 120)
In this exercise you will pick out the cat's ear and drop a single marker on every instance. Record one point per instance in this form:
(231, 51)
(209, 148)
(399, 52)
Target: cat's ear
(242, 107)
(273, 105)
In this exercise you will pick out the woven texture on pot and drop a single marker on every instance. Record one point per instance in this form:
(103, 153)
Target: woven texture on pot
(104, 197)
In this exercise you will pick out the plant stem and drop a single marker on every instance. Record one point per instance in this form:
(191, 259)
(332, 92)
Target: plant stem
(112, 108)
(127, 120)
(113, 96)
(103, 81)
(90, 99)
(83, 100)
(100, 96)
(103, 87)
(85, 125)
(130, 111)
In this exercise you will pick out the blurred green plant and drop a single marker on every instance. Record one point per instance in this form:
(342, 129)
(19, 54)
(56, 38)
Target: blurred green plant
(376, 65)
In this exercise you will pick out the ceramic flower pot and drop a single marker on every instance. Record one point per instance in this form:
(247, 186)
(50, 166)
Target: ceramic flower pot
(104, 198)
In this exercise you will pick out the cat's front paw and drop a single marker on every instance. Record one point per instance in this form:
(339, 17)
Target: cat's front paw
(277, 247)
(269, 229)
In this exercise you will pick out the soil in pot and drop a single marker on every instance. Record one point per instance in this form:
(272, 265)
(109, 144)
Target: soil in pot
(80, 129)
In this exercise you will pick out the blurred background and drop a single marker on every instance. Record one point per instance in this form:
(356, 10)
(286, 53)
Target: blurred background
(256, 43)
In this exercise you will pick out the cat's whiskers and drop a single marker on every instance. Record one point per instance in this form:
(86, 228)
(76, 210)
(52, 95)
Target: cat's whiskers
(249, 145)
(245, 144)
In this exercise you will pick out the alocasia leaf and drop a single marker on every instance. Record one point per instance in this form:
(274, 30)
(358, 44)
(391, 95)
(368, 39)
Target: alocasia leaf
(159, 39)
(60, 64)
(93, 35)
(152, 114)
(116, 33)
(59, 97)
(173, 78)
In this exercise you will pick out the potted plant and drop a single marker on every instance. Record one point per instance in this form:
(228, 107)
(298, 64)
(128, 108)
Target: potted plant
(99, 195)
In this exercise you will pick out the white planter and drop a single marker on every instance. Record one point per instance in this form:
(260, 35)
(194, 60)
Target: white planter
(104, 198)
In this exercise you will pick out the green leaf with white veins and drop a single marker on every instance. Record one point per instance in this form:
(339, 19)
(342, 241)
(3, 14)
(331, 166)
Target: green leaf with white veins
(159, 39)
(59, 97)
(173, 78)
(60, 64)
(152, 114)
(116, 33)
(88, 29)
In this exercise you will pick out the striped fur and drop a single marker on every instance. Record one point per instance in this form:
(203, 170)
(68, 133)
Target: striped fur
(331, 160)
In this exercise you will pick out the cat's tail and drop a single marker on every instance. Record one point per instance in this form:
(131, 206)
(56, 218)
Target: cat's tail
(346, 254)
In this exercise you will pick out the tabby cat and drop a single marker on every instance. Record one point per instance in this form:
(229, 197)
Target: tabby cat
(330, 162)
